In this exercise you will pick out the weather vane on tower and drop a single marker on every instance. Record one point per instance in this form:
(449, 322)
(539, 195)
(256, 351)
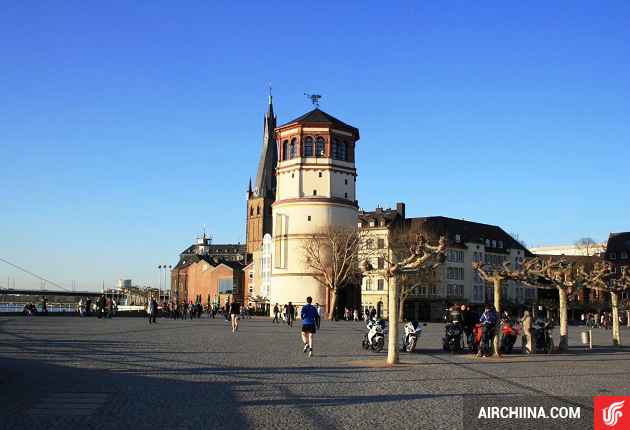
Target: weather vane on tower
(314, 99)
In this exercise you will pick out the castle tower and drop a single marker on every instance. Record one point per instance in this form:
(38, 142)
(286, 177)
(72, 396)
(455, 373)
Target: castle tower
(262, 196)
(316, 187)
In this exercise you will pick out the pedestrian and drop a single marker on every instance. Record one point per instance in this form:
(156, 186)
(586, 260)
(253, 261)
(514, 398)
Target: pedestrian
(373, 313)
(335, 315)
(290, 313)
(88, 307)
(101, 305)
(235, 311)
(487, 320)
(356, 315)
(276, 311)
(81, 308)
(152, 310)
(108, 306)
(309, 315)
(320, 314)
(44, 305)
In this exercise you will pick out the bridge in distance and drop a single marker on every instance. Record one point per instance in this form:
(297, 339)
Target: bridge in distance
(51, 293)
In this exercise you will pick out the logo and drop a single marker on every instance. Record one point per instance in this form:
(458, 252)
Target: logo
(609, 412)
(612, 413)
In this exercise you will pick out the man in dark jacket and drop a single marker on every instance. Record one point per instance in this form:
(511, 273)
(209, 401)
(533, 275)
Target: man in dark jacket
(101, 305)
(276, 311)
(469, 321)
(290, 313)
(487, 320)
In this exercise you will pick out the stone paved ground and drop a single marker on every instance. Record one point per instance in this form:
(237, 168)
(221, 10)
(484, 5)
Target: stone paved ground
(198, 374)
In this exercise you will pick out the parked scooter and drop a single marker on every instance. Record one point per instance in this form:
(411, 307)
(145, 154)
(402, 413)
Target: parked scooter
(375, 337)
(544, 342)
(451, 341)
(413, 330)
(510, 333)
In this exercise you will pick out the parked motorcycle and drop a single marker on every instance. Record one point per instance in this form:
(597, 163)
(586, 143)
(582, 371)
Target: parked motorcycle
(413, 330)
(510, 333)
(451, 341)
(544, 342)
(375, 337)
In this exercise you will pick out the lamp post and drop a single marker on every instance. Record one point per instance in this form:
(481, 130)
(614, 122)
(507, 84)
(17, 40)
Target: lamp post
(160, 283)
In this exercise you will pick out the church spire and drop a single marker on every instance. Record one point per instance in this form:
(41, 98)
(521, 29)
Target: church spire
(266, 174)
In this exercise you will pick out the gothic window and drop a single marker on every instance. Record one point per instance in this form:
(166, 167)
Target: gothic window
(321, 147)
(285, 150)
(294, 148)
(334, 149)
(251, 211)
(344, 151)
(258, 210)
(308, 147)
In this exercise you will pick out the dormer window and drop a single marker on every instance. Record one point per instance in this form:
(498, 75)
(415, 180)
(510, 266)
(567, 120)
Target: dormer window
(458, 238)
(494, 243)
(372, 223)
(613, 255)
(360, 225)
(500, 244)
(624, 255)
(488, 243)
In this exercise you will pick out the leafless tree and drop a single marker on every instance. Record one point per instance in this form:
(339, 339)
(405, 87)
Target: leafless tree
(331, 255)
(420, 254)
(599, 280)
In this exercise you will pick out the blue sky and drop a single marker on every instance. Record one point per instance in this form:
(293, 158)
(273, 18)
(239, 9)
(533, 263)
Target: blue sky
(127, 126)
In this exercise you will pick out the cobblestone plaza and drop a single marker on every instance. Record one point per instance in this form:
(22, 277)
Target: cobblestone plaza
(68, 372)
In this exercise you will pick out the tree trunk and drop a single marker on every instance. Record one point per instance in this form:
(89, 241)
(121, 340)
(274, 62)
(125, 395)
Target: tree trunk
(333, 302)
(614, 297)
(392, 345)
(401, 309)
(497, 325)
(564, 321)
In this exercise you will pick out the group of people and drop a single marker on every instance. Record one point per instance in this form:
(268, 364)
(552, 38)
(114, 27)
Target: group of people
(604, 320)
(288, 313)
(465, 320)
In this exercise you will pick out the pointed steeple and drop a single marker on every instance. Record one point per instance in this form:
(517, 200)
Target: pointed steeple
(266, 174)
(249, 187)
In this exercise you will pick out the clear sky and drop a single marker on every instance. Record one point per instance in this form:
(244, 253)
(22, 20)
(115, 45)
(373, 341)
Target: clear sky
(127, 126)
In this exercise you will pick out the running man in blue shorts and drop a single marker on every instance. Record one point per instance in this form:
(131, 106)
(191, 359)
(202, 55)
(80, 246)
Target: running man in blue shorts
(308, 314)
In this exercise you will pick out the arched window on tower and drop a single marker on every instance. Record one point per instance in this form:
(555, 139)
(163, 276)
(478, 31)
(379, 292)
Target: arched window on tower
(308, 147)
(285, 150)
(251, 211)
(258, 210)
(321, 147)
(334, 149)
(294, 148)
(344, 151)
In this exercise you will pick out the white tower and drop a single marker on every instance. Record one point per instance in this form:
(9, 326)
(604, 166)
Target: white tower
(315, 188)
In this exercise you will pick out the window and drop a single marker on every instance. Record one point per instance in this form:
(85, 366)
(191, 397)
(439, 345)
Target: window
(461, 273)
(457, 238)
(475, 256)
(449, 272)
(488, 243)
(613, 255)
(449, 255)
(500, 244)
(228, 286)
(461, 256)
(294, 148)
(308, 147)
(344, 149)
(321, 147)
(258, 210)
(285, 150)
(432, 290)
(309, 217)
(251, 274)
(251, 211)
(624, 255)
(380, 284)
(368, 284)
(346, 195)
(320, 174)
(359, 224)
(372, 224)
(494, 243)
(346, 181)
(422, 291)
(368, 244)
(475, 298)
(381, 243)
(334, 149)
(314, 192)
(250, 288)
(381, 263)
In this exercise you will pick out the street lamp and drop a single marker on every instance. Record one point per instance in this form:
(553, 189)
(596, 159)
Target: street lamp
(160, 283)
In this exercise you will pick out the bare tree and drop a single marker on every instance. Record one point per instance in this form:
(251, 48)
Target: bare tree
(497, 277)
(331, 255)
(421, 254)
(598, 280)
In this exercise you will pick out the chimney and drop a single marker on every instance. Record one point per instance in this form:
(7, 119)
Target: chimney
(400, 208)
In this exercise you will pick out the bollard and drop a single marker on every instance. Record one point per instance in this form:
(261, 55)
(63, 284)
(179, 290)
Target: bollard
(585, 337)
(590, 339)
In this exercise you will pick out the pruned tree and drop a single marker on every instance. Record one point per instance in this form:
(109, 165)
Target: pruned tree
(420, 254)
(599, 280)
(331, 257)
(497, 277)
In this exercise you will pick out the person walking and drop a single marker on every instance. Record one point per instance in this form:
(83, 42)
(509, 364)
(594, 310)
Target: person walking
(290, 314)
(276, 311)
(101, 305)
(309, 315)
(235, 310)
(153, 307)
(108, 306)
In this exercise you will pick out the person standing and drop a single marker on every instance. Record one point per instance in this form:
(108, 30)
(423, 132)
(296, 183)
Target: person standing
(81, 308)
(487, 320)
(153, 307)
(108, 306)
(276, 311)
(44, 305)
(88, 307)
(320, 314)
(101, 305)
(290, 314)
(309, 315)
(235, 310)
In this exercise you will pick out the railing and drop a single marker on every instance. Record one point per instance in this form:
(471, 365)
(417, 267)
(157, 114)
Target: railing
(52, 307)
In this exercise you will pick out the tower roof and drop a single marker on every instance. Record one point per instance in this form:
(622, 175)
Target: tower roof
(318, 116)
